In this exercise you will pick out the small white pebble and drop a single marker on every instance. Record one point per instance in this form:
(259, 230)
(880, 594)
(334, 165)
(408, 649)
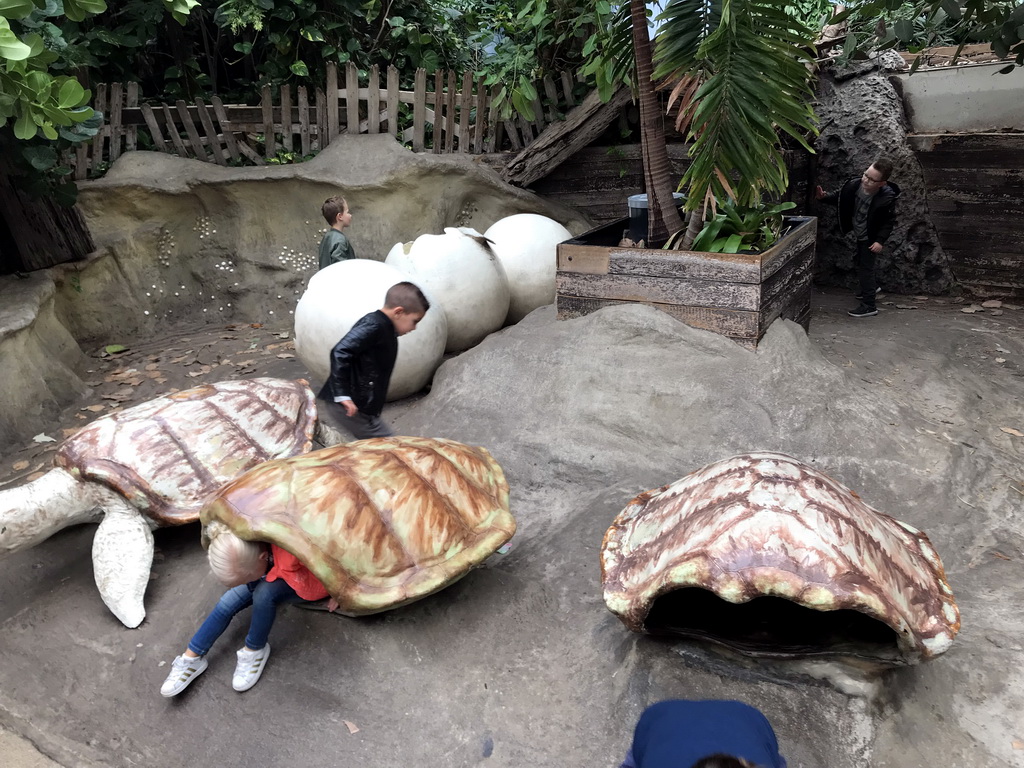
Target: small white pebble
(145, 312)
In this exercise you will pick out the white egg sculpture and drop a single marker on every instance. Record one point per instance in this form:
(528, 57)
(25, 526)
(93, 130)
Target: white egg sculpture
(338, 296)
(525, 244)
(461, 270)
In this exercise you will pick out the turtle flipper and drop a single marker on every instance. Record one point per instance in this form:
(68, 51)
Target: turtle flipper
(122, 554)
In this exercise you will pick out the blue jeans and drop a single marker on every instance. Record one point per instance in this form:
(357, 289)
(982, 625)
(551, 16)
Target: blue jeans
(264, 597)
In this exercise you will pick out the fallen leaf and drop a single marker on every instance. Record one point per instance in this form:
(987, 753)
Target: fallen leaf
(255, 325)
(80, 416)
(69, 432)
(905, 306)
(284, 335)
(1000, 359)
(20, 465)
(971, 309)
(161, 380)
(42, 437)
(113, 349)
(155, 374)
(279, 345)
(94, 408)
(225, 361)
(352, 727)
(244, 363)
(120, 396)
(152, 367)
(1010, 306)
(285, 355)
(992, 303)
(1012, 431)
(193, 374)
(997, 312)
(1017, 744)
(34, 476)
(181, 359)
(1001, 556)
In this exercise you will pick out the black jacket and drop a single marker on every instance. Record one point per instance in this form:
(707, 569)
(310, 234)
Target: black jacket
(362, 362)
(881, 214)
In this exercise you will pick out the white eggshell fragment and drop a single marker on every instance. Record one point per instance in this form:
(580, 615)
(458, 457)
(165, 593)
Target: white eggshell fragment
(341, 294)
(525, 244)
(461, 270)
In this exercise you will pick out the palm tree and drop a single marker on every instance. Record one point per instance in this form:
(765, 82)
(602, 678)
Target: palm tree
(740, 71)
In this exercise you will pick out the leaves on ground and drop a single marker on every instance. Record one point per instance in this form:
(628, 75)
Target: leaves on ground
(19, 465)
(352, 727)
(42, 437)
(1012, 431)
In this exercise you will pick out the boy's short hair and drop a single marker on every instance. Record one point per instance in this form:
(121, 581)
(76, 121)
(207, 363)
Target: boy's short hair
(884, 166)
(722, 761)
(408, 296)
(332, 207)
(235, 561)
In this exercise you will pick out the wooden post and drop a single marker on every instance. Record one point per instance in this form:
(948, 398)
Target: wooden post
(154, 129)
(393, 101)
(464, 107)
(211, 132)
(81, 160)
(373, 101)
(480, 128)
(351, 98)
(538, 115)
(438, 111)
(304, 120)
(286, 118)
(323, 132)
(99, 103)
(552, 93)
(190, 129)
(419, 109)
(114, 119)
(267, 105)
(567, 89)
(172, 129)
(493, 135)
(226, 128)
(132, 100)
(449, 118)
(331, 105)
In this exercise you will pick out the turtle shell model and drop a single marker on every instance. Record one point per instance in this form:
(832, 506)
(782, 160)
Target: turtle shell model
(154, 465)
(737, 552)
(379, 522)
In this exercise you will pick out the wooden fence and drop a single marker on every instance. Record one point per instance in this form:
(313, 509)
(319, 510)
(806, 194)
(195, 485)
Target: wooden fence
(455, 116)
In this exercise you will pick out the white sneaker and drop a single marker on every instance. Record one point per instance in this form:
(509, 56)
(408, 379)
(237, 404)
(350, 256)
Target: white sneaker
(250, 667)
(183, 671)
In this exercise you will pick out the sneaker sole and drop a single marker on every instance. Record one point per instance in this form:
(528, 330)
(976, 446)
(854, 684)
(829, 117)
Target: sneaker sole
(186, 683)
(862, 314)
(257, 675)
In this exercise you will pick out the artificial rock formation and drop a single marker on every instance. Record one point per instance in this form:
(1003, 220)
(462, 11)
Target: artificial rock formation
(861, 117)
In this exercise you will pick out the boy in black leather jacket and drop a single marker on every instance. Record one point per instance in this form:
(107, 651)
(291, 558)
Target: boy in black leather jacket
(362, 362)
(867, 207)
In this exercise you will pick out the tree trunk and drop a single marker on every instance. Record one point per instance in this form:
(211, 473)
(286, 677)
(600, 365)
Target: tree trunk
(662, 215)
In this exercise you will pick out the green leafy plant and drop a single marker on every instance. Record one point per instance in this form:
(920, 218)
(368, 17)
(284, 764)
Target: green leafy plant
(735, 229)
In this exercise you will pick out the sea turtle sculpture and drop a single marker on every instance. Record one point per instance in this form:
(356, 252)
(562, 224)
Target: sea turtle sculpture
(738, 551)
(153, 465)
(380, 522)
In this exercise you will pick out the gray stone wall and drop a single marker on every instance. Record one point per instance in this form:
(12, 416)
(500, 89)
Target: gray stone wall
(861, 117)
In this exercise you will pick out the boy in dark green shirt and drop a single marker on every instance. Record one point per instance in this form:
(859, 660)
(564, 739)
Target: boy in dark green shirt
(335, 246)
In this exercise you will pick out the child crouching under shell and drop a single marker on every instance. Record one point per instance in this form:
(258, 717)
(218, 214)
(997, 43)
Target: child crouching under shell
(243, 566)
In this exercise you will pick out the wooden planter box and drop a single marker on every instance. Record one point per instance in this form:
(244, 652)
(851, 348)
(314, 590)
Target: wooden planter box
(736, 295)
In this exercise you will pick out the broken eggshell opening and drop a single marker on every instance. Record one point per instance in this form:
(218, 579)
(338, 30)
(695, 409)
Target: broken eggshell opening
(769, 556)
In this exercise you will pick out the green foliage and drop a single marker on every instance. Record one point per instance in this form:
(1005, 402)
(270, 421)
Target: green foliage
(743, 77)
(883, 24)
(742, 228)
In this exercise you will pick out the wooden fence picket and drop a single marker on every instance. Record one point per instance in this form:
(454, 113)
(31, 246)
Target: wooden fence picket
(393, 101)
(304, 121)
(373, 101)
(331, 105)
(114, 120)
(287, 127)
(225, 127)
(211, 133)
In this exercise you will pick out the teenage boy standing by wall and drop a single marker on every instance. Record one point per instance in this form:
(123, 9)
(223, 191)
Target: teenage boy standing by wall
(867, 208)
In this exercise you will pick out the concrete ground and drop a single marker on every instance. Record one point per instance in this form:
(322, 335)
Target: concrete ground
(520, 664)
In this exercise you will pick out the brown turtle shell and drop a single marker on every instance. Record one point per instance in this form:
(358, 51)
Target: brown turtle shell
(765, 524)
(379, 522)
(167, 455)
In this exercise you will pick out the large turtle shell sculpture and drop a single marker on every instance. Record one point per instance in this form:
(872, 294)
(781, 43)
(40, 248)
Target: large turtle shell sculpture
(154, 465)
(379, 522)
(737, 552)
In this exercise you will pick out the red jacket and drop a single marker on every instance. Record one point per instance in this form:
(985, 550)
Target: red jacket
(295, 574)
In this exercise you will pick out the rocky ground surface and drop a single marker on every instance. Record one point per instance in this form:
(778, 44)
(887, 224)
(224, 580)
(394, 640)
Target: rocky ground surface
(917, 409)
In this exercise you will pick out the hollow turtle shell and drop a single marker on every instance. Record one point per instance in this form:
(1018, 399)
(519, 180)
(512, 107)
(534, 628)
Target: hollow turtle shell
(379, 522)
(766, 525)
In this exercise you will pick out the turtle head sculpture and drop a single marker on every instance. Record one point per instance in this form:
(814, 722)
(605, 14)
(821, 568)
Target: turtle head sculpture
(379, 522)
(768, 556)
(153, 465)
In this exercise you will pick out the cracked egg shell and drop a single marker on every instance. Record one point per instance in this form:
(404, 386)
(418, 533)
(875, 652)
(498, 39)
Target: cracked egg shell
(379, 522)
(766, 525)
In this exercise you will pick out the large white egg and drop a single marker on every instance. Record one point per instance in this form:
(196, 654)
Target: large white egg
(525, 244)
(338, 296)
(461, 270)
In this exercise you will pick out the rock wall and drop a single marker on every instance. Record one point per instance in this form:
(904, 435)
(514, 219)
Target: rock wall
(862, 117)
(185, 242)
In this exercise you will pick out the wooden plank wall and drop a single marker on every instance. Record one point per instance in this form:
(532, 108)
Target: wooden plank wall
(975, 187)
(597, 180)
